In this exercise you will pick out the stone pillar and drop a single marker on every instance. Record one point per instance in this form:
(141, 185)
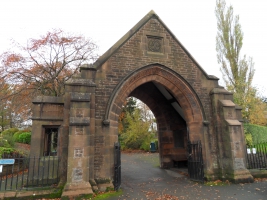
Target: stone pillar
(230, 138)
(167, 145)
(80, 90)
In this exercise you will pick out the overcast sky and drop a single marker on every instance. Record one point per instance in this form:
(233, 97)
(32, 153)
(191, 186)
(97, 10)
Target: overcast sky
(193, 22)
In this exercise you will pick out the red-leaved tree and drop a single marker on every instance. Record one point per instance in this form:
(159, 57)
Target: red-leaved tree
(43, 66)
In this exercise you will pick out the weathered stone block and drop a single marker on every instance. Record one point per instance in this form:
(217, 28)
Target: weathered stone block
(81, 97)
(79, 121)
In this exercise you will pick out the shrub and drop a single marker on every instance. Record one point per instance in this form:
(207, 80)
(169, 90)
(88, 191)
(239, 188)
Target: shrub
(248, 138)
(7, 141)
(25, 138)
(5, 150)
(145, 145)
(10, 153)
(16, 136)
(10, 131)
(259, 133)
(10, 140)
(4, 143)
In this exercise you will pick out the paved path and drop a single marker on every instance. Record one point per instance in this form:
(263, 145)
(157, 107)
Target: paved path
(143, 179)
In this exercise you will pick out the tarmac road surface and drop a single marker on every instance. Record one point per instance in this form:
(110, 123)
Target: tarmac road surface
(142, 179)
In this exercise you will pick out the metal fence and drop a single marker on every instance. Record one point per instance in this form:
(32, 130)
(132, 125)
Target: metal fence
(30, 172)
(257, 156)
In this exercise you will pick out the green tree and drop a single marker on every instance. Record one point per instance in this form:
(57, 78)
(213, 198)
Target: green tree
(147, 116)
(129, 107)
(137, 134)
(237, 70)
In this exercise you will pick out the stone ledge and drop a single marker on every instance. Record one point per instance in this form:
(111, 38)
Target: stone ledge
(46, 119)
(77, 189)
(23, 194)
(80, 97)
(220, 90)
(81, 82)
(88, 67)
(212, 77)
(227, 103)
(233, 122)
(206, 123)
(257, 173)
(48, 99)
(240, 176)
(106, 122)
(79, 121)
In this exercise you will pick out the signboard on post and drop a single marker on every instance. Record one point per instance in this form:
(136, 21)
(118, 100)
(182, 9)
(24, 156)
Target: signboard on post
(249, 151)
(254, 150)
(7, 161)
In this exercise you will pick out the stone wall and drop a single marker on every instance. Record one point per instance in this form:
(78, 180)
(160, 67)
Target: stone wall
(132, 55)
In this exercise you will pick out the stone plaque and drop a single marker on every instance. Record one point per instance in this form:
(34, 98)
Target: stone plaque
(78, 152)
(79, 121)
(77, 174)
(230, 114)
(236, 129)
(154, 44)
(79, 113)
(237, 146)
(79, 130)
(239, 163)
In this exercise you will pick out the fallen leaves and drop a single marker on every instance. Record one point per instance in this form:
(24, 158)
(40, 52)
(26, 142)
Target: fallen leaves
(260, 179)
(217, 183)
(166, 197)
(158, 196)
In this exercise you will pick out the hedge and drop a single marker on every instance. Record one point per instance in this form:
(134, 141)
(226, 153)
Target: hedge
(259, 133)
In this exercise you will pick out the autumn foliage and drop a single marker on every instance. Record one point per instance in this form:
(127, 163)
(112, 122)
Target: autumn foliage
(43, 66)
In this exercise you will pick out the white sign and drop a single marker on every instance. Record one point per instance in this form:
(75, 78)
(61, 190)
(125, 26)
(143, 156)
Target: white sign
(1, 168)
(254, 150)
(248, 151)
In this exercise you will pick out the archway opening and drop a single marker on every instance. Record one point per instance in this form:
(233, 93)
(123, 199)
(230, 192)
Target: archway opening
(170, 121)
(177, 109)
(137, 127)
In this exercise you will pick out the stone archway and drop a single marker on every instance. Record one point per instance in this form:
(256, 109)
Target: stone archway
(88, 113)
(181, 92)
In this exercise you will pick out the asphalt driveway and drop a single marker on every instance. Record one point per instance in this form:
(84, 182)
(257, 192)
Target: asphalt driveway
(143, 179)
